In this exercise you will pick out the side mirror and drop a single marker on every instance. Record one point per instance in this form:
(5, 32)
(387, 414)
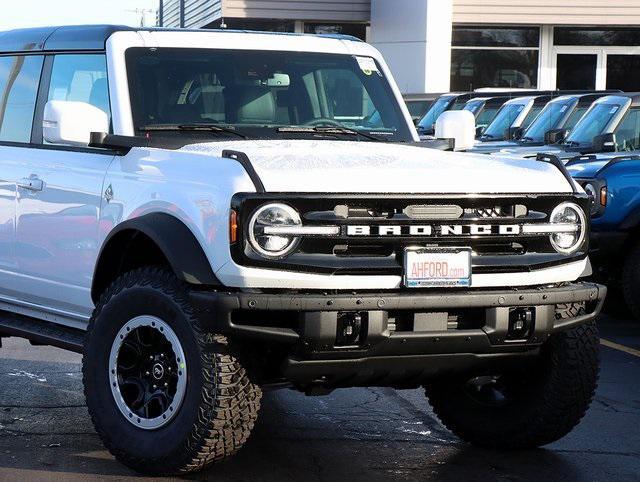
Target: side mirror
(605, 143)
(480, 130)
(416, 121)
(71, 123)
(513, 133)
(459, 125)
(555, 136)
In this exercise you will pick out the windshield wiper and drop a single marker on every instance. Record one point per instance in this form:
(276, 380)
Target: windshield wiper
(205, 127)
(329, 130)
(527, 138)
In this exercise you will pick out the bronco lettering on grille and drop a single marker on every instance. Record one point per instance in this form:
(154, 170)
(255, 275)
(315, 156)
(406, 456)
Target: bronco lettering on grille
(437, 230)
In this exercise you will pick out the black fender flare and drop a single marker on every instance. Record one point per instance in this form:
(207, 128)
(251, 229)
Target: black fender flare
(174, 239)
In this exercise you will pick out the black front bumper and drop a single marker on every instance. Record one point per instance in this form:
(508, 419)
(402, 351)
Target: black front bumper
(407, 337)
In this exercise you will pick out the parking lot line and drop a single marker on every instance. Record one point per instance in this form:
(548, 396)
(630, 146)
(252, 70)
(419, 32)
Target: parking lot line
(617, 346)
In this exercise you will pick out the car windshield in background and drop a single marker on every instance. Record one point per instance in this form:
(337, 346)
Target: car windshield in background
(553, 115)
(262, 95)
(474, 106)
(594, 123)
(430, 118)
(505, 118)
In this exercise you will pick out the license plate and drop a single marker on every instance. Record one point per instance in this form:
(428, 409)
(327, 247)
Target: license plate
(437, 267)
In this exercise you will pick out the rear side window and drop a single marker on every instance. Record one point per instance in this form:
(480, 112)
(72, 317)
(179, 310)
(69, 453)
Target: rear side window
(19, 81)
(628, 132)
(81, 78)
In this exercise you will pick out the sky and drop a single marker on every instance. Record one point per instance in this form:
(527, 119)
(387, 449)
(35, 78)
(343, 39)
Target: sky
(39, 13)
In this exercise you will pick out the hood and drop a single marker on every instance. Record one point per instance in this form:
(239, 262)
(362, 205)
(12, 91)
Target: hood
(523, 151)
(587, 170)
(372, 167)
(492, 146)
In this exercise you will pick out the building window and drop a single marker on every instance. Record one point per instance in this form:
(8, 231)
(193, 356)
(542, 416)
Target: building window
(358, 30)
(260, 25)
(621, 37)
(494, 57)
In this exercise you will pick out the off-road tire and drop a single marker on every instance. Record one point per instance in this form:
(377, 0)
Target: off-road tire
(551, 404)
(631, 281)
(221, 402)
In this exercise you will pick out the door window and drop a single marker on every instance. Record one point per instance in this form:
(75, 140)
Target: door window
(628, 132)
(81, 78)
(19, 80)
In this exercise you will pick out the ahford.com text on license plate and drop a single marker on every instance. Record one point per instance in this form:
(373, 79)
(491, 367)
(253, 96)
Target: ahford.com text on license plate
(429, 268)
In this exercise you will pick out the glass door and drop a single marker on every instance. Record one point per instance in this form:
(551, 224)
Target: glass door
(623, 72)
(576, 71)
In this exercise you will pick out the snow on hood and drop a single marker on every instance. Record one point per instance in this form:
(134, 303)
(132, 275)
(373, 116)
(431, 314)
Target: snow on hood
(371, 167)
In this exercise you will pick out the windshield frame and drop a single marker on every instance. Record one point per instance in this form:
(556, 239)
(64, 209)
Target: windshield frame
(403, 130)
(623, 102)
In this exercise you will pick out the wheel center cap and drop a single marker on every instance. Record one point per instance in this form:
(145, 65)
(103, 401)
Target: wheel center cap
(158, 371)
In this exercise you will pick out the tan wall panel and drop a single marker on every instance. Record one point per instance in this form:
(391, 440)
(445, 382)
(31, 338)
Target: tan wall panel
(561, 12)
(336, 10)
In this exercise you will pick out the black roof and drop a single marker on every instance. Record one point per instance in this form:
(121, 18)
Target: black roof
(77, 37)
(92, 37)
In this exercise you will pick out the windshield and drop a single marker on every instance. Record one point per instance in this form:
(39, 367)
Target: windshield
(551, 117)
(474, 106)
(505, 118)
(594, 123)
(262, 94)
(432, 115)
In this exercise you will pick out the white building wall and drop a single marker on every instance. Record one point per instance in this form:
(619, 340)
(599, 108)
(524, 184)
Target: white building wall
(415, 38)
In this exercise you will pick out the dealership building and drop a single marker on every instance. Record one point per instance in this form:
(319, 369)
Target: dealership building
(442, 45)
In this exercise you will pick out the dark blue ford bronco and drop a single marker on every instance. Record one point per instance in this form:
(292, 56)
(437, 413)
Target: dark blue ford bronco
(613, 182)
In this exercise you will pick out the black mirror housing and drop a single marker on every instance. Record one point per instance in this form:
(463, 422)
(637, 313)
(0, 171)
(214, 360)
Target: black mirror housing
(513, 133)
(555, 136)
(605, 143)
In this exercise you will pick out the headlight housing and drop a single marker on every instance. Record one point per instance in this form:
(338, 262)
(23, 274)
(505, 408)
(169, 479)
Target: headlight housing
(572, 225)
(597, 191)
(273, 246)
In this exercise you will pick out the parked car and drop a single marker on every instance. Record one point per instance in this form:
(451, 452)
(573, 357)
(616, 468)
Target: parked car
(551, 126)
(419, 104)
(613, 182)
(514, 117)
(612, 123)
(485, 110)
(222, 213)
(456, 101)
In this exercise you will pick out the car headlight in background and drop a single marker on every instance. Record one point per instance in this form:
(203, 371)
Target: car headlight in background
(269, 243)
(571, 223)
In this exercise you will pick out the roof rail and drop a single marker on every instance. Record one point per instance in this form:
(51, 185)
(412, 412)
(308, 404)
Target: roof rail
(555, 160)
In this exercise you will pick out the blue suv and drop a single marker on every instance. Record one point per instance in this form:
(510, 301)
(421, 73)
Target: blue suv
(613, 182)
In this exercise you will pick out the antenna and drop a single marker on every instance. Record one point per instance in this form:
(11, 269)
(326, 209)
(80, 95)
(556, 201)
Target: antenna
(143, 14)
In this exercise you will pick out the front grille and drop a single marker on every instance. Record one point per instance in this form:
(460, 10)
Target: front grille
(395, 223)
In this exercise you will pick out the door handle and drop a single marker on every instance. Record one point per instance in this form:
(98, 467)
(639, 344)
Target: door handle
(31, 183)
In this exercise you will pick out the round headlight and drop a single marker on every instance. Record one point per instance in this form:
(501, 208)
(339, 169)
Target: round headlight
(273, 215)
(591, 191)
(573, 218)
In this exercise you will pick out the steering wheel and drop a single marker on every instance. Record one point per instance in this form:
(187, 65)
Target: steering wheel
(321, 122)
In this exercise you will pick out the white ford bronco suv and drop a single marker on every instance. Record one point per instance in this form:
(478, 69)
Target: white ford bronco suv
(203, 214)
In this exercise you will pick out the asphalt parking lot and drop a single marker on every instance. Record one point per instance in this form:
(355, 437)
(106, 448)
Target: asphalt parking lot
(356, 434)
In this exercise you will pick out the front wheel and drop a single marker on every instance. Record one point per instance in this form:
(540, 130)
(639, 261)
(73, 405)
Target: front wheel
(164, 395)
(526, 409)
(631, 281)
